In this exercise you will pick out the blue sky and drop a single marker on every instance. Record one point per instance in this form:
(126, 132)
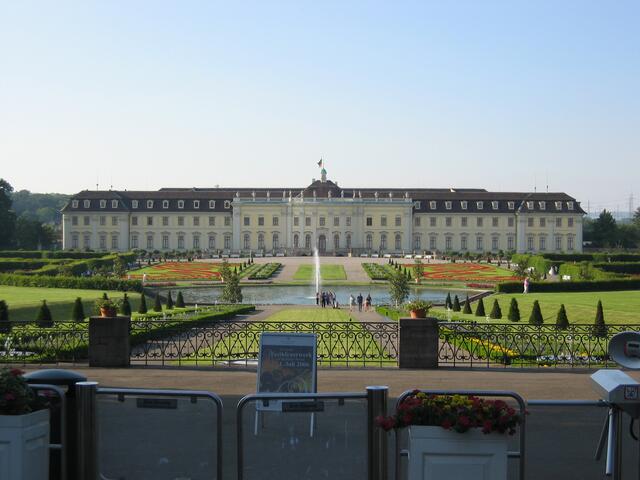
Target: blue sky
(501, 95)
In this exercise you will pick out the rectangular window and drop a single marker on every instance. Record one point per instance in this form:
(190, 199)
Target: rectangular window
(447, 205)
(543, 243)
(494, 243)
(447, 243)
(558, 205)
(558, 242)
(336, 221)
(569, 243)
(463, 205)
(398, 221)
(511, 205)
(165, 242)
(74, 220)
(275, 221)
(542, 205)
(559, 222)
(181, 242)
(529, 243)
(530, 205)
(149, 221)
(296, 221)
(260, 221)
(212, 221)
(165, 221)
(227, 242)
(134, 241)
(432, 205)
(103, 204)
(181, 221)
(479, 244)
(369, 221)
(134, 203)
(103, 220)
(134, 220)
(530, 222)
(196, 242)
(463, 221)
(321, 221)
(432, 243)
(114, 221)
(448, 221)
(348, 221)
(180, 204)
(74, 241)
(494, 205)
(416, 221)
(543, 222)
(510, 243)
(212, 204)
(570, 222)
(479, 222)
(196, 221)
(196, 204)
(511, 222)
(247, 221)
(495, 222)
(74, 203)
(307, 221)
(103, 242)
(86, 241)
(383, 221)
(227, 221)
(149, 242)
(212, 243)
(480, 205)
(463, 243)
(433, 221)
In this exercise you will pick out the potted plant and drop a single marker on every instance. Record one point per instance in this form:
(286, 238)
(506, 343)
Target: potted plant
(418, 308)
(107, 307)
(24, 429)
(455, 436)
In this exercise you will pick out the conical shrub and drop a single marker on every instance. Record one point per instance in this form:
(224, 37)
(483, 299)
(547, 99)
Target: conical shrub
(447, 302)
(562, 322)
(104, 296)
(169, 301)
(514, 311)
(125, 306)
(480, 309)
(157, 306)
(5, 323)
(496, 311)
(77, 314)
(44, 319)
(536, 314)
(180, 300)
(456, 304)
(142, 308)
(599, 327)
(467, 307)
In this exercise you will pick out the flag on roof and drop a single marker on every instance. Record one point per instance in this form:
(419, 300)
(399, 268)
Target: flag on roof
(320, 163)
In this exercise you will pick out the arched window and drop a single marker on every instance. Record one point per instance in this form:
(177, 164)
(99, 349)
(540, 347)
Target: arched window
(398, 242)
(417, 242)
(276, 241)
(247, 241)
(336, 241)
(369, 241)
(383, 241)
(307, 241)
(296, 240)
(260, 241)
(348, 241)
(212, 242)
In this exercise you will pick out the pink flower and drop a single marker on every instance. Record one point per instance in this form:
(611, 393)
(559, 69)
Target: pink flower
(446, 424)
(486, 427)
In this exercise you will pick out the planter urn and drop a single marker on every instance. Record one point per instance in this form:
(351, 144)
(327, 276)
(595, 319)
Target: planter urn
(24, 446)
(419, 313)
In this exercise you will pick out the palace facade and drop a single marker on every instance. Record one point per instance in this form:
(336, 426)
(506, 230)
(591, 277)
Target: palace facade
(323, 215)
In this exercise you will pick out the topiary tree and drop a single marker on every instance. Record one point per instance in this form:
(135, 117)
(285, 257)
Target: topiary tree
(447, 302)
(467, 307)
(142, 308)
(231, 292)
(179, 300)
(418, 272)
(514, 311)
(169, 301)
(44, 319)
(77, 314)
(125, 306)
(562, 322)
(536, 314)
(157, 305)
(398, 287)
(480, 309)
(599, 327)
(104, 296)
(456, 304)
(5, 324)
(496, 311)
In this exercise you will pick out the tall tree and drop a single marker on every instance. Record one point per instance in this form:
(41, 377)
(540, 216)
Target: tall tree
(231, 292)
(398, 287)
(605, 230)
(7, 216)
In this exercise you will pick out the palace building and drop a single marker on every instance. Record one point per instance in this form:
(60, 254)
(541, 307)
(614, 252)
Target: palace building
(323, 215)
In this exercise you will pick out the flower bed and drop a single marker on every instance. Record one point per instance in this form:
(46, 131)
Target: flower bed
(466, 272)
(375, 271)
(182, 271)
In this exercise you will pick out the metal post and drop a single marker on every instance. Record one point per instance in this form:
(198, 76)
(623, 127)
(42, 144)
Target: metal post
(377, 454)
(614, 453)
(87, 438)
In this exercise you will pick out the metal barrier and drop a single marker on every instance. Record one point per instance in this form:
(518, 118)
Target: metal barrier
(89, 411)
(520, 453)
(376, 398)
(61, 444)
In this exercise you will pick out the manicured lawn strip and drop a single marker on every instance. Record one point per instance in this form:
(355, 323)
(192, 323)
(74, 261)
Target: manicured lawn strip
(327, 272)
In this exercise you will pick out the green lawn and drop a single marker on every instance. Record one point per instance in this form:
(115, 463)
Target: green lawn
(327, 272)
(619, 307)
(24, 302)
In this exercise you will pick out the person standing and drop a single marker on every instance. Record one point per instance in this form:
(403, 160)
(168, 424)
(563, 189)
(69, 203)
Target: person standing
(317, 299)
(359, 302)
(368, 304)
(526, 285)
(352, 302)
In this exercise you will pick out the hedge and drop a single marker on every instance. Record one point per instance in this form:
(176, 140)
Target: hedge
(597, 257)
(78, 267)
(584, 286)
(265, 271)
(630, 268)
(376, 271)
(11, 264)
(89, 283)
(49, 254)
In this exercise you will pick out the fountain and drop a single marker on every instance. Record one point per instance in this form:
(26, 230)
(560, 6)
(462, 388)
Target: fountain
(316, 259)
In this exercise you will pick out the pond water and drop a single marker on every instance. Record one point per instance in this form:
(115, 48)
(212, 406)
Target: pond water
(303, 295)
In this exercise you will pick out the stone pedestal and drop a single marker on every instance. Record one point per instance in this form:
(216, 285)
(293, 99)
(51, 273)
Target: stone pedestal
(418, 346)
(109, 343)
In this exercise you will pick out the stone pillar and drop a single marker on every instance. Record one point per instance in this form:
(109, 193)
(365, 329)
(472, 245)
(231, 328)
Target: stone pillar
(109, 342)
(418, 344)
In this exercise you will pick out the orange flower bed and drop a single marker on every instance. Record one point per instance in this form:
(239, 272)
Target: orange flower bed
(465, 272)
(181, 271)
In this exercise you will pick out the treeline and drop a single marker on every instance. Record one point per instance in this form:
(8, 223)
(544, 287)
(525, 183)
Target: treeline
(605, 232)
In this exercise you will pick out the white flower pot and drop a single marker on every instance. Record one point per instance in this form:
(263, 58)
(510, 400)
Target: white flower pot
(24, 446)
(436, 453)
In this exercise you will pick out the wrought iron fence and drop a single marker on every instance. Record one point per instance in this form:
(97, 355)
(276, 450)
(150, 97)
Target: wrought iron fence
(229, 343)
(514, 345)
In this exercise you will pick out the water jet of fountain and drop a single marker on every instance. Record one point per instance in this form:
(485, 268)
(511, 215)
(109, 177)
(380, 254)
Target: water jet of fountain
(316, 259)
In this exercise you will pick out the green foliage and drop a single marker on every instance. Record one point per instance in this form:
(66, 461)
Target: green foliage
(375, 271)
(562, 322)
(418, 272)
(447, 301)
(265, 271)
(180, 300)
(16, 397)
(480, 309)
(169, 301)
(157, 306)
(536, 314)
(105, 296)
(231, 292)
(456, 304)
(5, 324)
(630, 268)
(496, 311)
(142, 308)
(44, 319)
(125, 306)
(514, 311)
(398, 287)
(467, 307)
(599, 327)
(77, 314)
(7, 215)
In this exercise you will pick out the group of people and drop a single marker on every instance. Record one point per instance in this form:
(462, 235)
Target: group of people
(361, 301)
(327, 299)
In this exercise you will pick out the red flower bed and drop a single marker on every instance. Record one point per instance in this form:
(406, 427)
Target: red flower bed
(181, 271)
(465, 272)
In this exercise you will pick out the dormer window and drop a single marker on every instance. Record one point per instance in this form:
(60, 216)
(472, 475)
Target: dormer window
(134, 203)
(417, 205)
(463, 205)
(212, 204)
(87, 204)
(74, 204)
(447, 205)
(494, 205)
(149, 203)
(570, 205)
(180, 203)
(543, 205)
(103, 204)
(558, 205)
(114, 203)
(165, 203)
(227, 204)
(480, 205)
(432, 205)
(530, 205)
(511, 205)
(196, 204)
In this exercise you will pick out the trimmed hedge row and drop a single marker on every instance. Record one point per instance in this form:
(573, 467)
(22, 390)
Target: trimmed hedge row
(597, 257)
(265, 271)
(49, 254)
(88, 283)
(376, 271)
(584, 286)
(11, 264)
(78, 267)
(631, 268)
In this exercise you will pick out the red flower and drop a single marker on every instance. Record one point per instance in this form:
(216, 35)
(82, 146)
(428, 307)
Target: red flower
(446, 424)
(464, 421)
(486, 427)
(16, 372)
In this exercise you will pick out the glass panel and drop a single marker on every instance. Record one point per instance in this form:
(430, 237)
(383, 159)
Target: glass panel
(156, 437)
(329, 443)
